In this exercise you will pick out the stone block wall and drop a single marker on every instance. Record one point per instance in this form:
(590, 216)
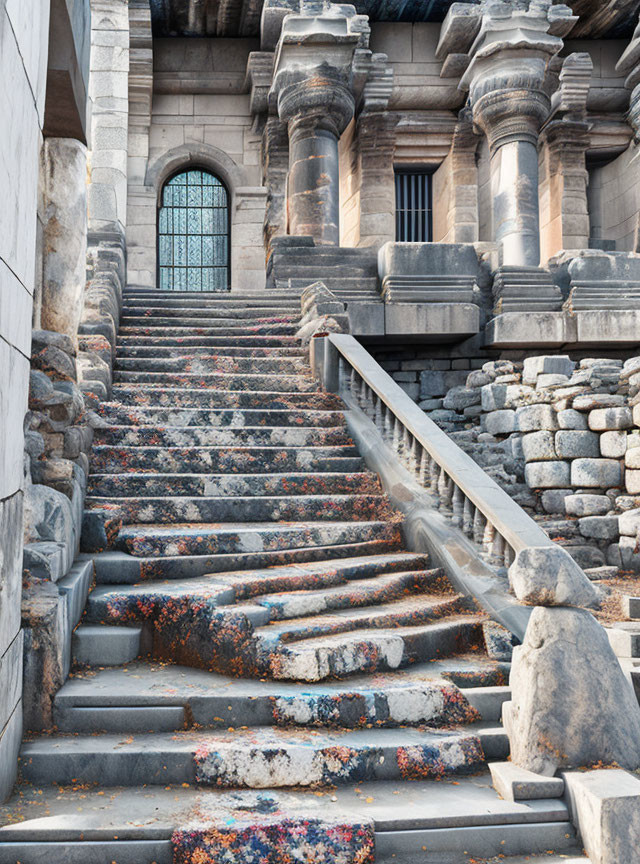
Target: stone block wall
(23, 64)
(562, 436)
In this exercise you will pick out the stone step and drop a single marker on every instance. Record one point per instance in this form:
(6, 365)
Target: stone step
(148, 696)
(233, 298)
(168, 325)
(151, 342)
(368, 650)
(234, 485)
(222, 418)
(177, 309)
(184, 361)
(185, 397)
(221, 381)
(256, 758)
(198, 346)
(287, 508)
(245, 585)
(115, 567)
(242, 460)
(228, 436)
(157, 541)
(418, 814)
(381, 604)
(105, 646)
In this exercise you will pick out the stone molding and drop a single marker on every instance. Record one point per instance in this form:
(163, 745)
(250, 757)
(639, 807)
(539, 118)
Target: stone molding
(203, 155)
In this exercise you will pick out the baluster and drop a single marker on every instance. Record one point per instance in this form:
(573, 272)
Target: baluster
(388, 425)
(406, 447)
(423, 469)
(457, 503)
(487, 537)
(416, 450)
(449, 487)
(509, 555)
(468, 512)
(342, 371)
(442, 486)
(368, 401)
(479, 523)
(497, 548)
(397, 436)
(353, 384)
(378, 419)
(362, 395)
(434, 477)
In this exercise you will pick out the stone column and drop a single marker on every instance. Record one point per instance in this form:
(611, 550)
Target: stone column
(316, 113)
(508, 47)
(64, 235)
(511, 118)
(313, 89)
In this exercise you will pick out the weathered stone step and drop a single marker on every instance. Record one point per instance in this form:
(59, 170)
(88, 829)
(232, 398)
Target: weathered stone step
(257, 758)
(288, 508)
(254, 342)
(179, 309)
(199, 346)
(233, 298)
(148, 602)
(185, 397)
(233, 485)
(370, 610)
(121, 415)
(442, 816)
(107, 603)
(227, 436)
(120, 568)
(204, 326)
(146, 696)
(105, 646)
(369, 651)
(201, 539)
(222, 381)
(183, 361)
(370, 591)
(232, 460)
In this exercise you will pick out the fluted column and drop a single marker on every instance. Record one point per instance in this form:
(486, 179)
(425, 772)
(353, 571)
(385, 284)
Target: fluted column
(316, 111)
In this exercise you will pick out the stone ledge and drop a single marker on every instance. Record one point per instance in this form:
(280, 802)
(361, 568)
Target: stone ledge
(606, 327)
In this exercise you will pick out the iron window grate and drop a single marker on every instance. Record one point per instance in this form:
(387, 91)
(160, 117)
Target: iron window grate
(193, 233)
(414, 218)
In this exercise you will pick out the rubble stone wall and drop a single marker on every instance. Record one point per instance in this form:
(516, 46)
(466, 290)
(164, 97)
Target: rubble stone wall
(562, 436)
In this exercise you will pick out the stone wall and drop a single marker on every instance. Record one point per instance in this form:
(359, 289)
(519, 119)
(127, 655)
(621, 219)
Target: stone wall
(200, 117)
(614, 195)
(563, 437)
(23, 63)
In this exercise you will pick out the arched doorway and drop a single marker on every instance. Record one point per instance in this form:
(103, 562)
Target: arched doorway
(193, 233)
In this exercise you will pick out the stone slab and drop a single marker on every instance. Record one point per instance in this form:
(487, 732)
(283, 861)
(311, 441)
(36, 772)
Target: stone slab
(441, 322)
(605, 807)
(516, 784)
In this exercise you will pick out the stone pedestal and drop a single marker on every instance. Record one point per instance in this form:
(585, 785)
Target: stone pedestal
(65, 235)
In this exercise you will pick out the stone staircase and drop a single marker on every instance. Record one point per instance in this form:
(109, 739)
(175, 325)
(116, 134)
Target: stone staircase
(259, 645)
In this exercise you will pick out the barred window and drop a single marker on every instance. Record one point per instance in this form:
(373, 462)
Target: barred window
(414, 222)
(193, 233)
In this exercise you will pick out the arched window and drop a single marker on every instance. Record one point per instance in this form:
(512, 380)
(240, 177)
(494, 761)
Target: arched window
(193, 233)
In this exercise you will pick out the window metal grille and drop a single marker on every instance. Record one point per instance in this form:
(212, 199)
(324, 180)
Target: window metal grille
(193, 234)
(413, 207)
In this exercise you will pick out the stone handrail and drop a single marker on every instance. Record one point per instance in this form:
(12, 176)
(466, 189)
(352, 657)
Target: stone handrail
(475, 502)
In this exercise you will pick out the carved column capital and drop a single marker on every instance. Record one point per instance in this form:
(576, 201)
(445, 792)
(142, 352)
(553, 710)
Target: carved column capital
(320, 100)
(511, 114)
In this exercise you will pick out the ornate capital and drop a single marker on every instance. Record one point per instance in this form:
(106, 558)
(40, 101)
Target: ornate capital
(321, 100)
(511, 114)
